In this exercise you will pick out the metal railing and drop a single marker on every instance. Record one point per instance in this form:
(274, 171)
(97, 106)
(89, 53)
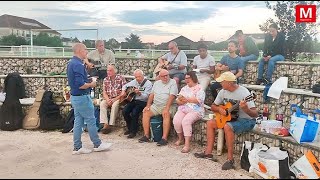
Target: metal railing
(44, 51)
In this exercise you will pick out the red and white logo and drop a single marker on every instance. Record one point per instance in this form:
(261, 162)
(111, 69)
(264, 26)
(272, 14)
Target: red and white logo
(306, 13)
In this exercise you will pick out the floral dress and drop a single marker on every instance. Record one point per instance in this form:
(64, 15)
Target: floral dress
(197, 92)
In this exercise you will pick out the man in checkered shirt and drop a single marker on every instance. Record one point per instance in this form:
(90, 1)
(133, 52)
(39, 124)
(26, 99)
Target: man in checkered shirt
(112, 86)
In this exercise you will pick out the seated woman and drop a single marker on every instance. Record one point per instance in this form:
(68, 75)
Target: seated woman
(191, 108)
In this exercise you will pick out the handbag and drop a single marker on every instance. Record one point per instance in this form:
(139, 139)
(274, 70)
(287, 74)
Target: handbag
(303, 128)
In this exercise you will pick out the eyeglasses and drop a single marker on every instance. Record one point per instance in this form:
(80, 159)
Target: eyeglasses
(165, 75)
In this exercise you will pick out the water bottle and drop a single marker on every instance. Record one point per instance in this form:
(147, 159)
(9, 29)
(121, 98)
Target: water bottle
(265, 113)
(92, 93)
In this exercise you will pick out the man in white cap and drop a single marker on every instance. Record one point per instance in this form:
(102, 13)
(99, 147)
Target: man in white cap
(243, 117)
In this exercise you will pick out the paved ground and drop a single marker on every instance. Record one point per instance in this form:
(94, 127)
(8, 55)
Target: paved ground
(35, 154)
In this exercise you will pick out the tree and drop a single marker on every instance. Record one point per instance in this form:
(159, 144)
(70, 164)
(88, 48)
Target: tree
(112, 43)
(297, 34)
(134, 42)
(43, 39)
(89, 43)
(265, 26)
(220, 46)
(12, 40)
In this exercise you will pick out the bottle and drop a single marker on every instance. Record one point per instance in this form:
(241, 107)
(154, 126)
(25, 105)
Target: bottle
(265, 112)
(273, 113)
(92, 93)
(279, 115)
(68, 96)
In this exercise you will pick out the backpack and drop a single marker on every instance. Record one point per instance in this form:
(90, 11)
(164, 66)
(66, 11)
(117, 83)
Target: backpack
(316, 88)
(156, 128)
(49, 112)
(11, 114)
(68, 125)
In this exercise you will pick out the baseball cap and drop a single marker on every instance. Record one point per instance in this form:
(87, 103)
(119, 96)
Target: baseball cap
(226, 76)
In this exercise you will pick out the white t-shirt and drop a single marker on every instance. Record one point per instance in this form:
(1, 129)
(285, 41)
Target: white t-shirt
(162, 92)
(203, 64)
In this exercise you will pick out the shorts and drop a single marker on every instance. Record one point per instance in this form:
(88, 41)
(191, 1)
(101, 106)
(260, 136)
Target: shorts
(242, 125)
(180, 76)
(156, 110)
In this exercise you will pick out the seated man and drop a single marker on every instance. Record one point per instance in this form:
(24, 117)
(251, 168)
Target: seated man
(133, 109)
(177, 62)
(112, 86)
(160, 101)
(230, 62)
(100, 56)
(248, 50)
(205, 63)
(243, 117)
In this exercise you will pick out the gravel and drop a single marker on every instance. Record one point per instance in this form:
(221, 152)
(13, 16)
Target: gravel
(36, 154)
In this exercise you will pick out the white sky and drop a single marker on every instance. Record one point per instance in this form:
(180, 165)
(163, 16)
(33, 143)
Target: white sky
(215, 21)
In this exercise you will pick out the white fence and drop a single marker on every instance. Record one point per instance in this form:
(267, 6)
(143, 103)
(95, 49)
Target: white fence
(43, 51)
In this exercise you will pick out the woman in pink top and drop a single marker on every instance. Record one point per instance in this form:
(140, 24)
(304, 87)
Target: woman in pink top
(191, 108)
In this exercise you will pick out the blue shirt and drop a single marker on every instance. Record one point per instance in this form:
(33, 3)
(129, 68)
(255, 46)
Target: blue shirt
(77, 76)
(234, 64)
(144, 94)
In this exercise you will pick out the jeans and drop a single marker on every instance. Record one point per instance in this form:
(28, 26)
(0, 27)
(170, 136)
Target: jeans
(84, 112)
(131, 113)
(215, 87)
(245, 59)
(271, 63)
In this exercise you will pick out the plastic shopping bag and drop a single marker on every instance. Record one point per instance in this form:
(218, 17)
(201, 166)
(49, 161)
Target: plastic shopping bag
(270, 164)
(306, 167)
(303, 128)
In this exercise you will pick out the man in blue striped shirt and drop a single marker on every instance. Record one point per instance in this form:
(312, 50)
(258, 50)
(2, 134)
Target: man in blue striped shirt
(133, 109)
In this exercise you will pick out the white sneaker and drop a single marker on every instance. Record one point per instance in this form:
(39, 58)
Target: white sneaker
(103, 146)
(82, 151)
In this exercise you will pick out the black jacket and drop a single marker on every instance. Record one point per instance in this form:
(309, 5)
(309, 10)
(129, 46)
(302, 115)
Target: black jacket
(275, 47)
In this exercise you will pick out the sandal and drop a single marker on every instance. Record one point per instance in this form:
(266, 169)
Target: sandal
(185, 150)
(205, 156)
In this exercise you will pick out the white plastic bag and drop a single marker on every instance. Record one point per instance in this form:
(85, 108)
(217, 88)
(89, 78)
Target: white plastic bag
(306, 167)
(270, 164)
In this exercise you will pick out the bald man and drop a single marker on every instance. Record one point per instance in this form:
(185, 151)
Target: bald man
(81, 102)
(112, 85)
(160, 102)
(177, 62)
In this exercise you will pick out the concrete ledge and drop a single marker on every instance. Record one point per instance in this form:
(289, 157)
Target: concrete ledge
(288, 90)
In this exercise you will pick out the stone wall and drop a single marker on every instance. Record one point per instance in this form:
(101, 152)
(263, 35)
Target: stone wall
(301, 75)
(309, 101)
